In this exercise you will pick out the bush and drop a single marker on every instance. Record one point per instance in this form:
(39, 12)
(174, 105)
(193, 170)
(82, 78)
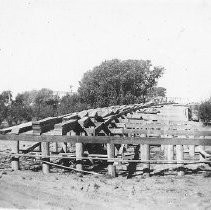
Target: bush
(205, 112)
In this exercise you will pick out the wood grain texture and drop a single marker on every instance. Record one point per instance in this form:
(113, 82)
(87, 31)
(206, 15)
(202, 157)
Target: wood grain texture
(108, 139)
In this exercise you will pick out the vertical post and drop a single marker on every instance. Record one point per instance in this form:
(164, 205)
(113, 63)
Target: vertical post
(79, 155)
(192, 151)
(166, 148)
(79, 152)
(56, 146)
(145, 155)
(170, 154)
(15, 159)
(180, 158)
(45, 152)
(110, 153)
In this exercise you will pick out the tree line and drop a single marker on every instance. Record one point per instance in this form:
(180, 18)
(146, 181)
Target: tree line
(113, 82)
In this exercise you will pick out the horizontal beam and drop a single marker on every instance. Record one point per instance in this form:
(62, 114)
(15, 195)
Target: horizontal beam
(107, 139)
(169, 132)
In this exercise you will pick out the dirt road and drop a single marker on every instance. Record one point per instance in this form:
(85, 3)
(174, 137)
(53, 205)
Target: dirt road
(33, 190)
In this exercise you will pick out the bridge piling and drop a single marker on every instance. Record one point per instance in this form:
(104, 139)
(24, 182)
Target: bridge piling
(45, 152)
(15, 160)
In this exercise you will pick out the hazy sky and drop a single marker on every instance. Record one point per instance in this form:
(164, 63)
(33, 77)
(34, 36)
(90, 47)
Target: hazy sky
(51, 43)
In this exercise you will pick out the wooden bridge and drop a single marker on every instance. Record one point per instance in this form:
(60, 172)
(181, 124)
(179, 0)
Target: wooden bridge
(118, 128)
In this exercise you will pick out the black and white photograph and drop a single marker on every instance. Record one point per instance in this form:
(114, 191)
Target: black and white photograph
(105, 104)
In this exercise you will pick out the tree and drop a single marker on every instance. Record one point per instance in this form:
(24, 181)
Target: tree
(117, 82)
(20, 110)
(156, 92)
(45, 104)
(70, 104)
(29, 97)
(205, 111)
(5, 103)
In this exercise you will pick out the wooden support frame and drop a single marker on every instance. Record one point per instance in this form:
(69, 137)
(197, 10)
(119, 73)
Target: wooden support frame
(108, 117)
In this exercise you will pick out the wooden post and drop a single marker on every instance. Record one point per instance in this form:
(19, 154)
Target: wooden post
(170, 155)
(15, 159)
(192, 151)
(110, 153)
(79, 152)
(166, 151)
(45, 152)
(56, 146)
(145, 155)
(79, 155)
(180, 157)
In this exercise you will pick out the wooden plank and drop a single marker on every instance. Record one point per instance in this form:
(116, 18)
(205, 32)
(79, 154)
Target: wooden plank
(119, 131)
(108, 139)
(160, 125)
(45, 125)
(168, 132)
(24, 127)
(120, 125)
(73, 116)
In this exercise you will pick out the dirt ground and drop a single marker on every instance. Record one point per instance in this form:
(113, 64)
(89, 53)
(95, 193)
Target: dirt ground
(27, 189)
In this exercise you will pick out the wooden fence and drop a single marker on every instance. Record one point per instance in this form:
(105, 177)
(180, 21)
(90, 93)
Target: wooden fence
(104, 127)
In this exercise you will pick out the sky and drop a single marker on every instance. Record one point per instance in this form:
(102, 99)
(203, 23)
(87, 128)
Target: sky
(52, 43)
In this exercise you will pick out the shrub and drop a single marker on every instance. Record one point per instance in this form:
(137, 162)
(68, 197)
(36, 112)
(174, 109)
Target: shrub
(205, 112)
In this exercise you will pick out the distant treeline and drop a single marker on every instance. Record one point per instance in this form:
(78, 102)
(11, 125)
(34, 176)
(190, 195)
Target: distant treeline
(113, 82)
